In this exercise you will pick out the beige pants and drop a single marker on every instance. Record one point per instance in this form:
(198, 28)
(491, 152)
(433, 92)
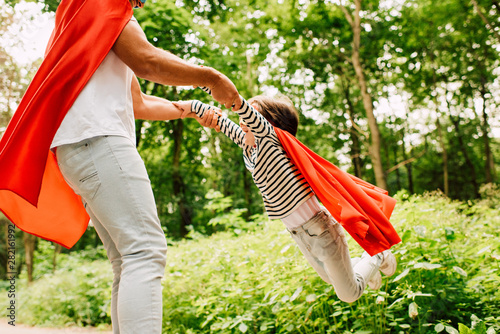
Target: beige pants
(322, 241)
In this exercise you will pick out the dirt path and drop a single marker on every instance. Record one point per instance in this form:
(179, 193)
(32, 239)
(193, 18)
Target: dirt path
(5, 328)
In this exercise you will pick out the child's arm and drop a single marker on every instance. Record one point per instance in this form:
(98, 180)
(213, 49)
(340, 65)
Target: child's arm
(228, 127)
(257, 123)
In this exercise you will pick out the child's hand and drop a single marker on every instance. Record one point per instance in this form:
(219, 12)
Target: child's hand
(210, 118)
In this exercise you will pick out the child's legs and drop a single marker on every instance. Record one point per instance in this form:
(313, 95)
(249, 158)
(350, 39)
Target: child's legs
(317, 265)
(324, 242)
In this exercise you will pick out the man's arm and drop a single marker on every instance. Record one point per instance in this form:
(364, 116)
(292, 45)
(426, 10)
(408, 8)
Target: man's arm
(154, 108)
(153, 64)
(151, 107)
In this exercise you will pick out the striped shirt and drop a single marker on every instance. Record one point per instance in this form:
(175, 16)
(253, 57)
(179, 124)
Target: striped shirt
(282, 186)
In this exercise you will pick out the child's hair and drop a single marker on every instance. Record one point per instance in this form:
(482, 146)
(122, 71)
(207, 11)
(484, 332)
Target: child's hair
(279, 111)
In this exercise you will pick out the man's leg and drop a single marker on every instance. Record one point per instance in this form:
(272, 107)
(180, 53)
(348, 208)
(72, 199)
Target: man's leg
(116, 264)
(111, 177)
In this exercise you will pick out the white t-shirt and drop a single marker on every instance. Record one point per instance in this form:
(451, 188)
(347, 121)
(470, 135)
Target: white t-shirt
(104, 106)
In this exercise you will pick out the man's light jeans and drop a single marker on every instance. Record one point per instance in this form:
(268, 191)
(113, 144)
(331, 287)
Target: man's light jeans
(110, 176)
(322, 241)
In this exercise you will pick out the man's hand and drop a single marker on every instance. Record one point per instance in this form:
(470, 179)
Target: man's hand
(225, 92)
(185, 108)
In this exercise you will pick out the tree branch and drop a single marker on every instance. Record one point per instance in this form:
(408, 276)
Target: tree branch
(485, 19)
(407, 161)
(347, 15)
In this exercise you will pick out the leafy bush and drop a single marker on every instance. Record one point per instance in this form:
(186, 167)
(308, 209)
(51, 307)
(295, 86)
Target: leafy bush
(80, 296)
(44, 258)
(258, 281)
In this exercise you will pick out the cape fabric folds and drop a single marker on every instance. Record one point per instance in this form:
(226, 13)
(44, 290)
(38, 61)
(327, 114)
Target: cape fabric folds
(33, 193)
(360, 207)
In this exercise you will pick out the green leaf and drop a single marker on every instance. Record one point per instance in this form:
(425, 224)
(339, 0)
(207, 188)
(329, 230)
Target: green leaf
(413, 310)
(406, 236)
(427, 265)
(464, 329)
(243, 328)
(311, 298)
(400, 276)
(460, 271)
(296, 294)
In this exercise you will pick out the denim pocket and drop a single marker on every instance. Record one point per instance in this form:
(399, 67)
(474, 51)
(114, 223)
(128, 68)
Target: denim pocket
(90, 185)
(78, 168)
(323, 240)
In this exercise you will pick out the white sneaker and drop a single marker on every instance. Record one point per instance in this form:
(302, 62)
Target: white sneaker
(389, 263)
(376, 281)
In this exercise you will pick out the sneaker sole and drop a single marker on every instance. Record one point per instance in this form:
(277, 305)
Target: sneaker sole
(389, 264)
(376, 281)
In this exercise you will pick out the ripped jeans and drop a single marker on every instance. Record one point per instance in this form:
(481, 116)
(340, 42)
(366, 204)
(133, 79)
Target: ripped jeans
(322, 241)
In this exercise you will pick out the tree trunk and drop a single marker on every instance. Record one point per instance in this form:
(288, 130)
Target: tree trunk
(398, 174)
(409, 166)
(247, 188)
(463, 148)
(29, 250)
(57, 250)
(409, 169)
(374, 151)
(178, 182)
(485, 128)
(355, 147)
(446, 184)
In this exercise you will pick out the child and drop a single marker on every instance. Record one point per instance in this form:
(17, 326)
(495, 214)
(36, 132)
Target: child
(288, 196)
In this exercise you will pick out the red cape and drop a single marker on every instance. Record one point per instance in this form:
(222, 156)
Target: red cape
(33, 193)
(360, 207)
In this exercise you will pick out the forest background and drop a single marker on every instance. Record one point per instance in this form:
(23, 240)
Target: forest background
(404, 94)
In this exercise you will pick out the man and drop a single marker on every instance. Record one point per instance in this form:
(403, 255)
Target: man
(82, 103)
(97, 156)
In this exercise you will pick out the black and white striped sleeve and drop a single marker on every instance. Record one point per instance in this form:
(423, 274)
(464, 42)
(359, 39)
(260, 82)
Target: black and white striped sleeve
(227, 126)
(257, 123)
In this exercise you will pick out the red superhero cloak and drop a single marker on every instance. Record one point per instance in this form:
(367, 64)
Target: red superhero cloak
(33, 193)
(360, 207)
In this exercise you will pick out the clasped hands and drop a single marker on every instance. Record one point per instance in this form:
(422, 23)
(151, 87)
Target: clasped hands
(209, 119)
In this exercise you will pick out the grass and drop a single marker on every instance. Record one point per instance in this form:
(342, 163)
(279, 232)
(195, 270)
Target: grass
(256, 280)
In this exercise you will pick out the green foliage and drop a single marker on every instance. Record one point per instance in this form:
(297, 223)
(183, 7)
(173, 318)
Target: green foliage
(44, 258)
(258, 281)
(78, 296)
(443, 63)
(228, 220)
